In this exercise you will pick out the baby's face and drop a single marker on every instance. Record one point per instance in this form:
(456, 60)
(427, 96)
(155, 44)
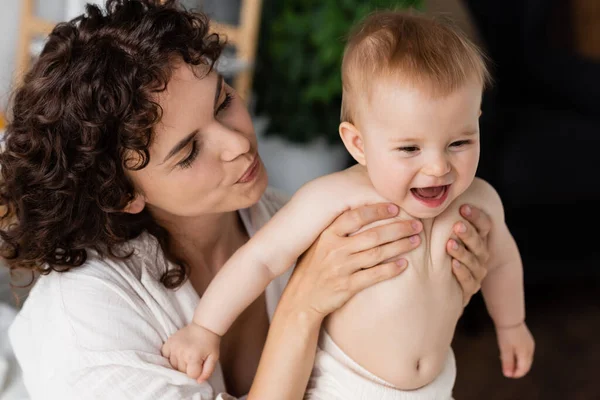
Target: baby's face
(421, 152)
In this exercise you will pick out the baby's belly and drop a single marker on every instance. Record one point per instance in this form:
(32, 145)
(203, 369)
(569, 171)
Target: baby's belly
(401, 329)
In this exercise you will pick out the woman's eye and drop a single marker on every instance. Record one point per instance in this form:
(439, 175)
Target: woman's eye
(409, 149)
(226, 102)
(189, 160)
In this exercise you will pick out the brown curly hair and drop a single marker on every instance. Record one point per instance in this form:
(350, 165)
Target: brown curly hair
(84, 114)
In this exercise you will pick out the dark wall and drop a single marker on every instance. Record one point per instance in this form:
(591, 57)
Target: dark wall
(541, 131)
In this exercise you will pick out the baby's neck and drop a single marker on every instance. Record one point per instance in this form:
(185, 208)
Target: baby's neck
(427, 222)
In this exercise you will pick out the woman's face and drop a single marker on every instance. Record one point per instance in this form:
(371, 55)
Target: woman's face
(204, 157)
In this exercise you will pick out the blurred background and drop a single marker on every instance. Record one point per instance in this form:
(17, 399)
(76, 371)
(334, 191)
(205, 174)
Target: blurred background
(540, 132)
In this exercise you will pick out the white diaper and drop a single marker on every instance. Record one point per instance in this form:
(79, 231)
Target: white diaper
(335, 376)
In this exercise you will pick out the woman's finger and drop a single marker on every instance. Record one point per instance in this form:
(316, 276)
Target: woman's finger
(368, 277)
(381, 254)
(462, 255)
(383, 234)
(480, 220)
(472, 239)
(466, 280)
(351, 221)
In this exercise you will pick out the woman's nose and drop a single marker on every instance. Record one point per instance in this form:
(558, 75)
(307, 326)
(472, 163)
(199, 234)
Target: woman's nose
(233, 144)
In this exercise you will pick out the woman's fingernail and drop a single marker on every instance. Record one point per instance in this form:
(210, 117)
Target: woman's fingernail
(453, 244)
(455, 264)
(467, 210)
(416, 225)
(392, 209)
(414, 239)
(461, 228)
(402, 263)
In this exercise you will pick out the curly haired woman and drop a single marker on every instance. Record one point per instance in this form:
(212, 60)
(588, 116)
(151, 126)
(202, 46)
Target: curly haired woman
(130, 174)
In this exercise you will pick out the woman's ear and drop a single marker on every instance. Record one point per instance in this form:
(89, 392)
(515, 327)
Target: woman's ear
(136, 205)
(353, 141)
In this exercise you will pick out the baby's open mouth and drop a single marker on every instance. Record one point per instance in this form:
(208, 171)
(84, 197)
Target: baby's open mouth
(431, 192)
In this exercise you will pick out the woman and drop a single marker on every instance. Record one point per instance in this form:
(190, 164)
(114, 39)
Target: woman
(131, 174)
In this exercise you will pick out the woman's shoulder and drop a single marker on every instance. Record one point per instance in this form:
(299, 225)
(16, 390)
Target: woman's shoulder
(105, 322)
(134, 259)
(99, 283)
(104, 308)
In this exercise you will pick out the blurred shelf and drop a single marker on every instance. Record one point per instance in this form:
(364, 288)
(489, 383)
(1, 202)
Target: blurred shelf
(2, 128)
(231, 66)
(239, 66)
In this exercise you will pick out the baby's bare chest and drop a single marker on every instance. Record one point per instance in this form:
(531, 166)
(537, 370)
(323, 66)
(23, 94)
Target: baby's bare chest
(431, 254)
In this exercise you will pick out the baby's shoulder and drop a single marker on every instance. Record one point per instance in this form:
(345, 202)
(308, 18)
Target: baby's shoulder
(351, 186)
(482, 195)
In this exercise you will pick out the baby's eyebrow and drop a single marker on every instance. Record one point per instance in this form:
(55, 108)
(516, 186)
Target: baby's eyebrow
(401, 139)
(470, 132)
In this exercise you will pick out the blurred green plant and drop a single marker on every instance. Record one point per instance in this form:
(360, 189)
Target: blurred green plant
(298, 69)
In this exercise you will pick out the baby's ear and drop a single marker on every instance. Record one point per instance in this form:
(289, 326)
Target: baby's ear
(353, 141)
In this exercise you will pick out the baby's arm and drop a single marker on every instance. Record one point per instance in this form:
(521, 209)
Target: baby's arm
(503, 286)
(503, 290)
(194, 349)
(276, 247)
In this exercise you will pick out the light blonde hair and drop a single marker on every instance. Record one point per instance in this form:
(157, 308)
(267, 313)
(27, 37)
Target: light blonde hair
(413, 49)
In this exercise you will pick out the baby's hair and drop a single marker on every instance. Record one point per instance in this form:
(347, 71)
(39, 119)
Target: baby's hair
(412, 49)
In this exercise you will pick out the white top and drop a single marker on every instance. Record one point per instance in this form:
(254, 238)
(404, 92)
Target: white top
(96, 331)
(11, 380)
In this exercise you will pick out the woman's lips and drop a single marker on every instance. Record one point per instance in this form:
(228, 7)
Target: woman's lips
(251, 172)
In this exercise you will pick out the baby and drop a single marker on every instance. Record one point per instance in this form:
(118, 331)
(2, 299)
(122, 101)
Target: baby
(412, 90)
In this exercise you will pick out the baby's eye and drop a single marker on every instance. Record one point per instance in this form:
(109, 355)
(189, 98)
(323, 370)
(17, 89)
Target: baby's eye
(460, 143)
(408, 149)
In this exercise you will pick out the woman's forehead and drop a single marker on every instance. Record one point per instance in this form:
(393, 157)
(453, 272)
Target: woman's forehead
(187, 105)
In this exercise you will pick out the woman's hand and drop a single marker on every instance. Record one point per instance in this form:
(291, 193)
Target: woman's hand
(329, 273)
(469, 258)
(337, 265)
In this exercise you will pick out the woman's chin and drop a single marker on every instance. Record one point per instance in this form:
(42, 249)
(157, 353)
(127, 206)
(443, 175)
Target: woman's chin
(253, 191)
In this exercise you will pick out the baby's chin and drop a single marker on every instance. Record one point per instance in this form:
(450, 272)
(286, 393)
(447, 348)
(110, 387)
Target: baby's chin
(423, 212)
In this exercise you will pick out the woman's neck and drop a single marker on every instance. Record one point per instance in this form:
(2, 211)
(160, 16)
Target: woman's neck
(205, 243)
